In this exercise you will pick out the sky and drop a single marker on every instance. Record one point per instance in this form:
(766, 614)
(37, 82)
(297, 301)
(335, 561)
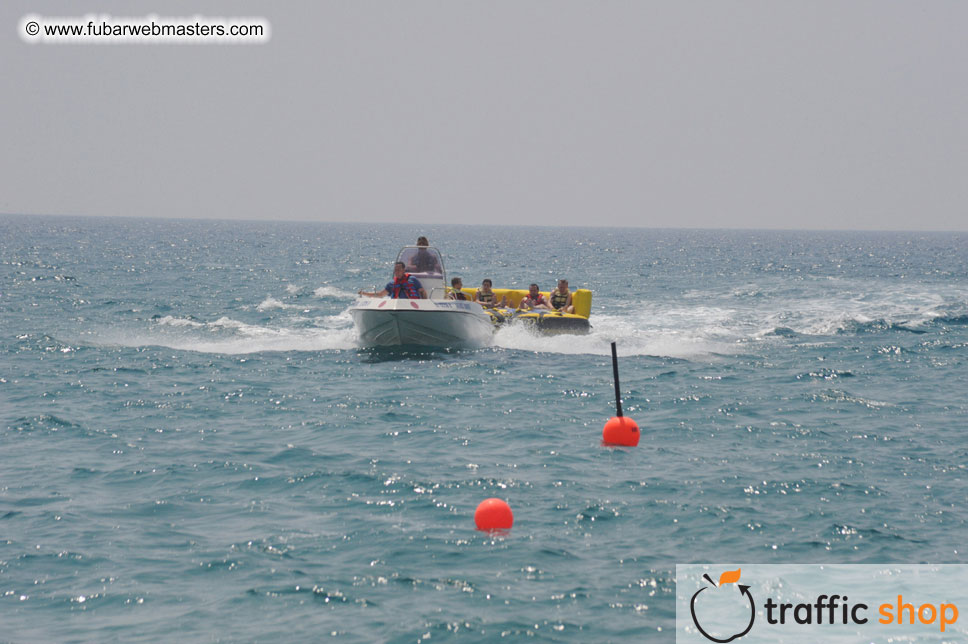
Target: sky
(801, 114)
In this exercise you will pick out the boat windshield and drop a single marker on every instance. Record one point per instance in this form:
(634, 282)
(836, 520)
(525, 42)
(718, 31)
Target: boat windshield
(422, 261)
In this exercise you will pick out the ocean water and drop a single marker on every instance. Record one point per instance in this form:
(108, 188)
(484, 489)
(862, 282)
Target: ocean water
(193, 448)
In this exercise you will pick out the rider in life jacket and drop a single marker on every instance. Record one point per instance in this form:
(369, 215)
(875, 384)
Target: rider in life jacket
(534, 299)
(456, 284)
(561, 298)
(488, 298)
(403, 285)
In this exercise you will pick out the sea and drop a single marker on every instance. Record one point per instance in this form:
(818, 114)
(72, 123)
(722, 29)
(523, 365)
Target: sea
(194, 448)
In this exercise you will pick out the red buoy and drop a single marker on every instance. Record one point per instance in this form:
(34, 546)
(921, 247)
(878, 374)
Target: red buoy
(621, 430)
(493, 514)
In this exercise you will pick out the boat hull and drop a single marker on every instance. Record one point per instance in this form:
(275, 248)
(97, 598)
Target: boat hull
(431, 323)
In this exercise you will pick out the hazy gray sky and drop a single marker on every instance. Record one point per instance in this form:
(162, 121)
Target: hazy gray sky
(708, 113)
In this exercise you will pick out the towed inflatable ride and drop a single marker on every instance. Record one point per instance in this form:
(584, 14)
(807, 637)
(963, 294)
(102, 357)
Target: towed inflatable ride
(544, 320)
(439, 321)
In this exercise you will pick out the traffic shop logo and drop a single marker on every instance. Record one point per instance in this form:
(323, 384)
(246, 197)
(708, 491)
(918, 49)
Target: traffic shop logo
(725, 611)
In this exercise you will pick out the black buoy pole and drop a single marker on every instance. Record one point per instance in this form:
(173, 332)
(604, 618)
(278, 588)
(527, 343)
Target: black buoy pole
(619, 430)
(618, 396)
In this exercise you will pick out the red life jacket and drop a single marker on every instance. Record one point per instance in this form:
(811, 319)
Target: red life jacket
(405, 287)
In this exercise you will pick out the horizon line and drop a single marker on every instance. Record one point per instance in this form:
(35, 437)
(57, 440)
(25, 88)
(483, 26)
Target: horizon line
(488, 225)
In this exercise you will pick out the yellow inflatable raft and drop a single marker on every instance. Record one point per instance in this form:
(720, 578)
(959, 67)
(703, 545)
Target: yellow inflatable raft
(542, 319)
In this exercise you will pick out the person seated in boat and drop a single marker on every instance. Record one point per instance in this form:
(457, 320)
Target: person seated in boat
(534, 300)
(488, 298)
(403, 285)
(561, 298)
(456, 284)
(422, 260)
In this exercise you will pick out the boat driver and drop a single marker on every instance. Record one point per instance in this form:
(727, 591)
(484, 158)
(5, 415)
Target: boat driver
(423, 261)
(403, 285)
(534, 299)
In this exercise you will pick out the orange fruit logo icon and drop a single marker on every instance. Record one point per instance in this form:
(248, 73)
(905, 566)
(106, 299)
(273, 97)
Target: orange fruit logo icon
(738, 603)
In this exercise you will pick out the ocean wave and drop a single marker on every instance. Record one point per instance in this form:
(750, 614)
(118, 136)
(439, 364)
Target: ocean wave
(257, 341)
(780, 331)
(340, 320)
(230, 336)
(49, 422)
(838, 395)
(333, 292)
(952, 320)
(170, 320)
(227, 323)
(872, 326)
(272, 303)
(902, 318)
(812, 308)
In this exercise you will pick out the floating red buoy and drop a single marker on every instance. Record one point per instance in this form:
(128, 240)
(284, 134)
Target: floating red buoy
(493, 514)
(621, 430)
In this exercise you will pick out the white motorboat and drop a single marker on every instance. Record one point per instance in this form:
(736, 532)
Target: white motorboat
(435, 321)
